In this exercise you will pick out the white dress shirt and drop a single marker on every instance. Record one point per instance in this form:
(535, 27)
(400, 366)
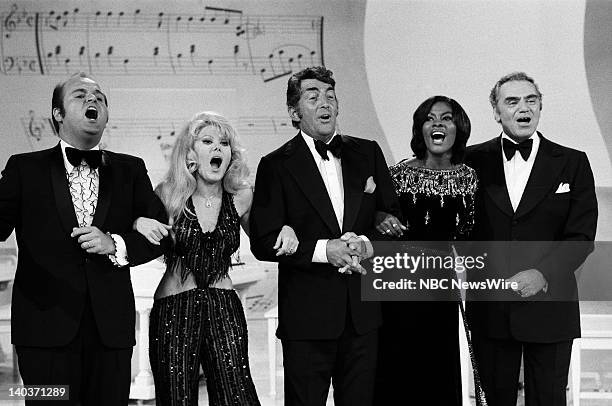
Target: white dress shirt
(517, 170)
(120, 256)
(331, 172)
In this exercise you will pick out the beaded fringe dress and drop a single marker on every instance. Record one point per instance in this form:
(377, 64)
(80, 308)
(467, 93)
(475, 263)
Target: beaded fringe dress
(202, 326)
(421, 339)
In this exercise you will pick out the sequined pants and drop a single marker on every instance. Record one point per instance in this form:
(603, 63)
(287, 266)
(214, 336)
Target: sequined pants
(207, 327)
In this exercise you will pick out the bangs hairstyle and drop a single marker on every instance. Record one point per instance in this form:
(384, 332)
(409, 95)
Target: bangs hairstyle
(460, 118)
(180, 180)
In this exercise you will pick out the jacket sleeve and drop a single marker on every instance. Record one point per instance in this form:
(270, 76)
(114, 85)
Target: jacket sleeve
(386, 198)
(9, 198)
(268, 215)
(146, 204)
(578, 233)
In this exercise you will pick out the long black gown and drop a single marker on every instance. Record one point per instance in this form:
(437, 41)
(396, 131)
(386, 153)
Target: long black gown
(419, 341)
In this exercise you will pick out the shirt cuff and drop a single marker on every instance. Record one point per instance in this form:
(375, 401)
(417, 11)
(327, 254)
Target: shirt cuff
(120, 257)
(320, 252)
(369, 247)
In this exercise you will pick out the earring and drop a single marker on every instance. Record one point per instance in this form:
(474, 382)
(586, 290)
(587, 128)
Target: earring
(192, 166)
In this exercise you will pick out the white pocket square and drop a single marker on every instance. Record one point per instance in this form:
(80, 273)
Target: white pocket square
(370, 186)
(563, 188)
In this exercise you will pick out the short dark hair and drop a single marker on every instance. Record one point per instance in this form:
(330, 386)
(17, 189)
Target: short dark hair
(294, 85)
(508, 78)
(57, 100)
(460, 118)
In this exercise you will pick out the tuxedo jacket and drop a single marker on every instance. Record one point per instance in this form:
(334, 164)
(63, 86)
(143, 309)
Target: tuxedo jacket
(552, 231)
(289, 190)
(54, 274)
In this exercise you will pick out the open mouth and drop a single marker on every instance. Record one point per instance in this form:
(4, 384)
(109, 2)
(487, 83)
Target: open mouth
(91, 113)
(216, 162)
(325, 116)
(437, 137)
(524, 120)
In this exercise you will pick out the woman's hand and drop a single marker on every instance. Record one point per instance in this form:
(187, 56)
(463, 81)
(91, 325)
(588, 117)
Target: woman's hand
(152, 229)
(389, 225)
(286, 242)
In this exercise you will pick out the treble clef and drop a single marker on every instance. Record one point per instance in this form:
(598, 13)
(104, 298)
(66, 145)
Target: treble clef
(10, 22)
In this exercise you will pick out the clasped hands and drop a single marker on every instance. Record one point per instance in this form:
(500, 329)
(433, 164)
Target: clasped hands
(347, 252)
(529, 282)
(94, 241)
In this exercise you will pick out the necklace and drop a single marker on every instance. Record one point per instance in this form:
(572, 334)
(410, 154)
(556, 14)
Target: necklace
(209, 201)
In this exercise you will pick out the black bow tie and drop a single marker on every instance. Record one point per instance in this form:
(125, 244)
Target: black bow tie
(510, 148)
(93, 158)
(335, 147)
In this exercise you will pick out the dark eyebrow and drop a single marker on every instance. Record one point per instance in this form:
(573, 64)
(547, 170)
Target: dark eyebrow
(316, 89)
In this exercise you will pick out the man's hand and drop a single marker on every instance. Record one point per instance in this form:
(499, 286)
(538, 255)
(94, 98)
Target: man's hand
(152, 229)
(530, 282)
(93, 240)
(388, 224)
(339, 254)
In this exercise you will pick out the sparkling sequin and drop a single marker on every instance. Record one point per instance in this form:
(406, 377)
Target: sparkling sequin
(202, 326)
(441, 199)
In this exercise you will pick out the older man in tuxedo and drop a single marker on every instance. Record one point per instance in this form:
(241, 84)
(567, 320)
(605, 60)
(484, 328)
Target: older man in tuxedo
(323, 185)
(539, 198)
(72, 207)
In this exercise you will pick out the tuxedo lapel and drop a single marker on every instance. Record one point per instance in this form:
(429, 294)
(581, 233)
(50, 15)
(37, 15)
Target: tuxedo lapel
(546, 168)
(493, 178)
(301, 165)
(352, 175)
(104, 191)
(61, 191)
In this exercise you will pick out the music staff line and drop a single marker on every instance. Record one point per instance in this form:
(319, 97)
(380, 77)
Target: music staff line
(222, 21)
(162, 129)
(162, 59)
(268, 67)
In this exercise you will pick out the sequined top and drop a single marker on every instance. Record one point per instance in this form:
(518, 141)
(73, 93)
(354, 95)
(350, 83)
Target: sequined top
(206, 255)
(437, 203)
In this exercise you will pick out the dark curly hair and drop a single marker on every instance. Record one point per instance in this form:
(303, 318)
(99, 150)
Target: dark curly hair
(460, 118)
(294, 84)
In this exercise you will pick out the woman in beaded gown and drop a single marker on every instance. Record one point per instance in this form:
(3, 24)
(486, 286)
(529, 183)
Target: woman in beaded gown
(419, 341)
(197, 318)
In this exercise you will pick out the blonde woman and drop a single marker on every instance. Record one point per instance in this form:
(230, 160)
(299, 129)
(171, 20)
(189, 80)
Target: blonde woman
(197, 318)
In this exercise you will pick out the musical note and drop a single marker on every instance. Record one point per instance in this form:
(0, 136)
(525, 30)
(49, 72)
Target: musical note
(192, 52)
(232, 43)
(81, 53)
(166, 128)
(155, 54)
(109, 54)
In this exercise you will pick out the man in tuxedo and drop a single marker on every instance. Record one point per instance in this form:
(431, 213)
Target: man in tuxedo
(538, 198)
(325, 186)
(72, 207)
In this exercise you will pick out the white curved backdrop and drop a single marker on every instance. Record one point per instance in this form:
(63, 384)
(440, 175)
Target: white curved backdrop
(416, 48)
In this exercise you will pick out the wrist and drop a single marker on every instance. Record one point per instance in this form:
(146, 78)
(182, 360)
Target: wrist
(113, 242)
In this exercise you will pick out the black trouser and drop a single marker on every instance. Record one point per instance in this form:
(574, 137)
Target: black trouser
(546, 367)
(207, 327)
(349, 362)
(95, 374)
